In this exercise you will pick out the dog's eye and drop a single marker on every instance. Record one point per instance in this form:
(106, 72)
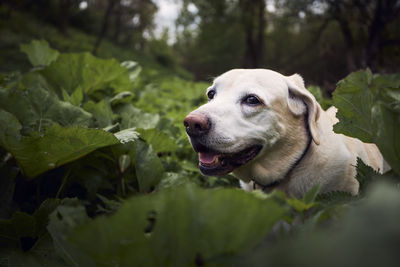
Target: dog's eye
(211, 94)
(251, 100)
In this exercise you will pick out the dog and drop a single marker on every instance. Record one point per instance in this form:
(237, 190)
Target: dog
(271, 133)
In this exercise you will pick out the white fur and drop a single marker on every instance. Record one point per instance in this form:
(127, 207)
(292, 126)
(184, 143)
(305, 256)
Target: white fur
(279, 126)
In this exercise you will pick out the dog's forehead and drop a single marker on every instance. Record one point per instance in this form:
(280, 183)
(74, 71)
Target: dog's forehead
(261, 80)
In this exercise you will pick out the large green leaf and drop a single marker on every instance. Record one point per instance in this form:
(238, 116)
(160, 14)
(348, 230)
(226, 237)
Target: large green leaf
(149, 169)
(160, 141)
(387, 135)
(354, 100)
(366, 235)
(22, 226)
(71, 70)
(186, 226)
(365, 176)
(39, 53)
(63, 220)
(9, 130)
(42, 254)
(369, 109)
(134, 117)
(37, 153)
(35, 107)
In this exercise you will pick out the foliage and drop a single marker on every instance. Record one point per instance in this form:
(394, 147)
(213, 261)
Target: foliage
(21, 26)
(318, 94)
(39, 53)
(96, 170)
(163, 225)
(365, 236)
(70, 126)
(369, 109)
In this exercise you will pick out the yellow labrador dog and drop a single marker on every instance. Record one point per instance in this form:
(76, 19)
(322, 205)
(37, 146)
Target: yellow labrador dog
(270, 132)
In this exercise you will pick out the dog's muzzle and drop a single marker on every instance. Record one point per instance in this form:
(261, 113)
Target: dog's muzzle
(212, 162)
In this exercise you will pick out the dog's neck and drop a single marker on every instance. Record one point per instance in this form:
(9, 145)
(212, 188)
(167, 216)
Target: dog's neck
(276, 166)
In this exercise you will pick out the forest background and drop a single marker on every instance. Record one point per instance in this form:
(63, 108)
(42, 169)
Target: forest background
(323, 40)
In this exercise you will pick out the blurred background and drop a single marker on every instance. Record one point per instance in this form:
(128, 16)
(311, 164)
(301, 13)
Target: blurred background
(323, 40)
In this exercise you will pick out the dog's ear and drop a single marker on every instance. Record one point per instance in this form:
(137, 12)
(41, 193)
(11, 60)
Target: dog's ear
(298, 95)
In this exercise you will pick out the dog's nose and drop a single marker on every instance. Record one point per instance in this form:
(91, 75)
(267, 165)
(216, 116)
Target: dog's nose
(196, 125)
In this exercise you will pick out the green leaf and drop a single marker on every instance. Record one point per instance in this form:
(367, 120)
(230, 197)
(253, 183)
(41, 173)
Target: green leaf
(110, 205)
(369, 109)
(299, 205)
(160, 141)
(134, 117)
(36, 154)
(190, 166)
(179, 227)
(133, 68)
(101, 111)
(354, 101)
(8, 174)
(125, 82)
(387, 134)
(23, 225)
(35, 107)
(63, 220)
(39, 53)
(335, 197)
(172, 180)
(41, 255)
(71, 70)
(310, 196)
(149, 169)
(20, 225)
(350, 242)
(41, 215)
(77, 97)
(9, 130)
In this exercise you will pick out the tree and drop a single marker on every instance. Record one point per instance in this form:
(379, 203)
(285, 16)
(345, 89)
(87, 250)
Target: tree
(221, 33)
(104, 25)
(363, 24)
(64, 13)
(254, 24)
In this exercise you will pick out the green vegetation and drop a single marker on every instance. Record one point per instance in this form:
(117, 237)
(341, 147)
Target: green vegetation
(22, 27)
(96, 170)
(369, 110)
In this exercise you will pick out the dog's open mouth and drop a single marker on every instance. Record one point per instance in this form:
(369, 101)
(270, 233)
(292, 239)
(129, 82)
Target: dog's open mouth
(216, 163)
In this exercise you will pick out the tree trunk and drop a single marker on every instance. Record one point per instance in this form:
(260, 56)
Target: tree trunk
(117, 22)
(64, 15)
(337, 10)
(375, 31)
(349, 41)
(260, 33)
(104, 26)
(253, 19)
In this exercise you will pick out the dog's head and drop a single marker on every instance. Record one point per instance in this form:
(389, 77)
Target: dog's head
(246, 115)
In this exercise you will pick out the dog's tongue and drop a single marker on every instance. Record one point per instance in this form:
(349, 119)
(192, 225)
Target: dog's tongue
(207, 158)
